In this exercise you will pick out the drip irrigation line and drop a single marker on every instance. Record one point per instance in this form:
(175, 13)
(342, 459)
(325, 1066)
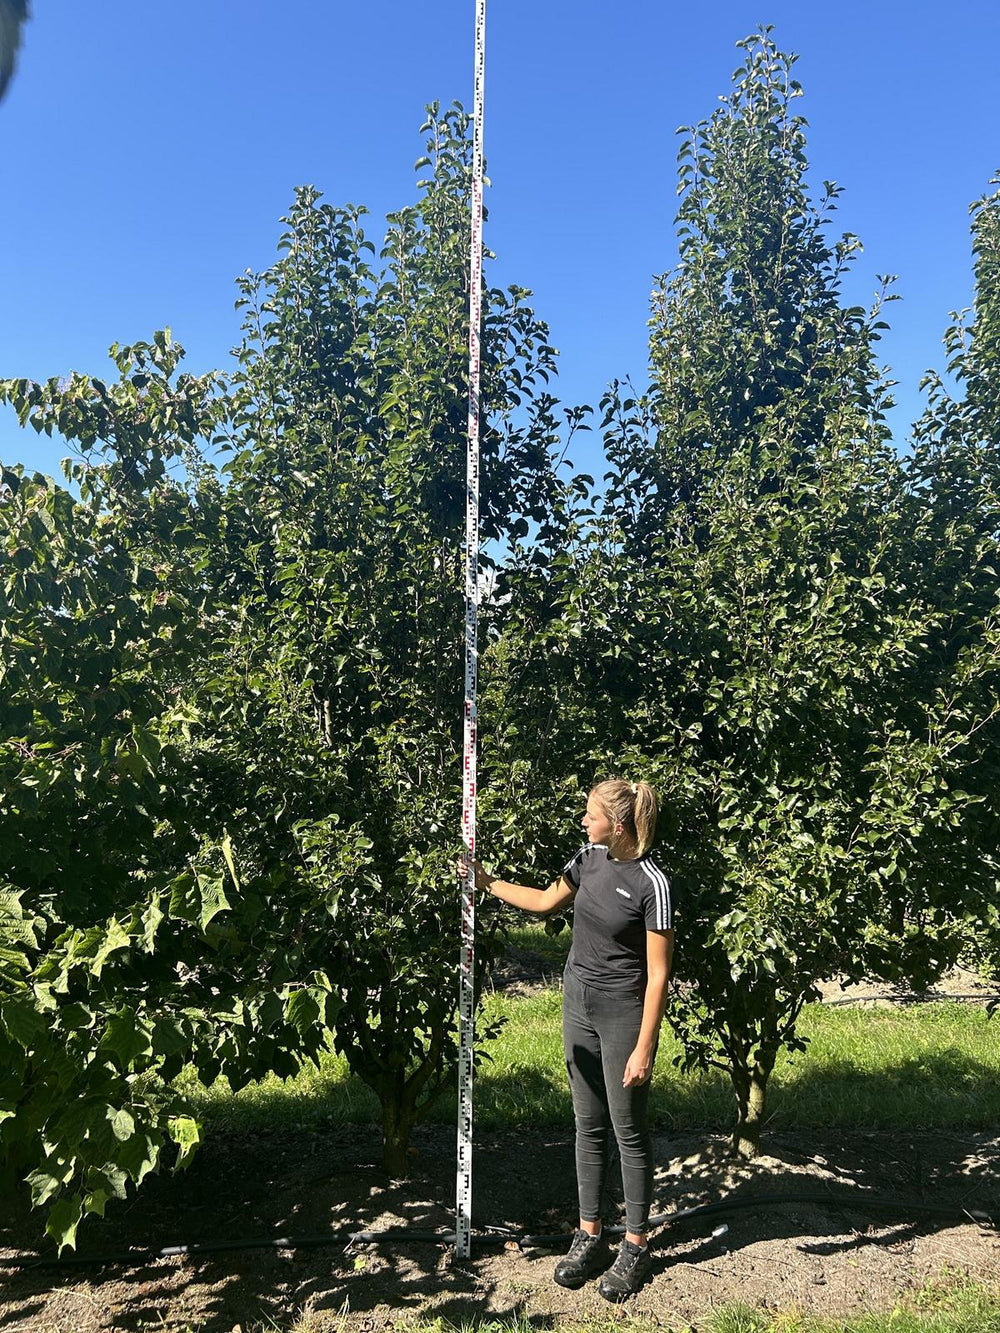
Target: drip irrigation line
(496, 1235)
(982, 997)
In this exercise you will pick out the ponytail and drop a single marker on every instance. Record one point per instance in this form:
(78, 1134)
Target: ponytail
(634, 806)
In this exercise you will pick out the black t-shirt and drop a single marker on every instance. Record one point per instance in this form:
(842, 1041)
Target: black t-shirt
(616, 902)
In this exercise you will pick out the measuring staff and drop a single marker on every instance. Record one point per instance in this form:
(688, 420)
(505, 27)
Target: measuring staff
(466, 1006)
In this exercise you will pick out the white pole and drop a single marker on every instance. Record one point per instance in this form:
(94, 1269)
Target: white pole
(463, 1224)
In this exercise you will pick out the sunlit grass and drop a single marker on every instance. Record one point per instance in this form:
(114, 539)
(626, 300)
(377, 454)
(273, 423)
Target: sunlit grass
(961, 1308)
(553, 949)
(924, 1066)
(927, 1066)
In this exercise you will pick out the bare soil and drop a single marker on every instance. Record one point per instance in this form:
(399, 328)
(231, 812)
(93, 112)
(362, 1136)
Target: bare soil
(958, 984)
(835, 1252)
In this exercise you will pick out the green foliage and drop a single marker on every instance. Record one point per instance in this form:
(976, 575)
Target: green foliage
(115, 916)
(745, 621)
(813, 744)
(957, 436)
(233, 703)
(335, 674)
(83, 724)
(955, 469)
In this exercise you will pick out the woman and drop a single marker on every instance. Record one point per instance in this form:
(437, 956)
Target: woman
(614, 995)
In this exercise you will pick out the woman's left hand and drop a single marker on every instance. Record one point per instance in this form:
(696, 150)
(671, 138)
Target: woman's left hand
(638, 1068)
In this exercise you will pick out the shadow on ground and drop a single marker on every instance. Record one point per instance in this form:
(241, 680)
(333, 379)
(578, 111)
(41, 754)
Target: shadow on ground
(309, 1183)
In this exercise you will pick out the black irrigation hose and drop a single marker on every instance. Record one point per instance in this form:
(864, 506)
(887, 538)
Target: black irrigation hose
(494, 1235)
(987, 998)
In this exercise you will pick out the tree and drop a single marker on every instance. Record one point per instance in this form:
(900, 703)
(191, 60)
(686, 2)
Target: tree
(334, 681)
(818, 750)
(955, 473)
(746, 629)
(108, 899)
(232, 703)
(13, 14)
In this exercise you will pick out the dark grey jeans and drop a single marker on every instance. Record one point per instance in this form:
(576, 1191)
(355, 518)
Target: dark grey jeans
(600, 1030)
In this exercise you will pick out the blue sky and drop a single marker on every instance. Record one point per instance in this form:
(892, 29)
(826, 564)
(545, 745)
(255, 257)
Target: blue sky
(149, 151)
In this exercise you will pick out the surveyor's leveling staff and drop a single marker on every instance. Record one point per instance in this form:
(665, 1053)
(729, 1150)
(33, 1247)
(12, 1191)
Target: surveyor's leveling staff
(466, 1008)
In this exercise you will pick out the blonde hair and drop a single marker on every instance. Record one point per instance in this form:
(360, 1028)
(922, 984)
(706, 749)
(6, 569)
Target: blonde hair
(634, 806)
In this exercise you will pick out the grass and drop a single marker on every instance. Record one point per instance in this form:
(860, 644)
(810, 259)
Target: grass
(926, 1066)
(961, 1308)
(554, 949)
(929, 1066)
(967, 1308)
(964, 1308)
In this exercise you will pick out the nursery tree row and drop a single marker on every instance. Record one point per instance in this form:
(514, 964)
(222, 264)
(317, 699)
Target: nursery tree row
(231, 673)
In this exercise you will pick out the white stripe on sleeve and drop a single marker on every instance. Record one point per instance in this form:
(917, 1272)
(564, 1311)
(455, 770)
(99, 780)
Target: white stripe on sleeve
(661, 891)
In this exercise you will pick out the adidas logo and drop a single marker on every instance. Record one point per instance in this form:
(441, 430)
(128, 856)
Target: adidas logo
(623, 893)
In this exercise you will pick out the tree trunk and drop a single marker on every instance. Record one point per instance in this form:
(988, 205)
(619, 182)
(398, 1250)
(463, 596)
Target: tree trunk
(397, 1125)
(751, 1102)
(403, 1098)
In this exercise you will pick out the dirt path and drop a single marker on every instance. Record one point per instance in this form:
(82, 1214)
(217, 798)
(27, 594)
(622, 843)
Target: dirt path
(827, 1257)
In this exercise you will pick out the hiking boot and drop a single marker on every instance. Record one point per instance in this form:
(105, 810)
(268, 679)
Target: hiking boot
(629, 1271)
(588, 1256)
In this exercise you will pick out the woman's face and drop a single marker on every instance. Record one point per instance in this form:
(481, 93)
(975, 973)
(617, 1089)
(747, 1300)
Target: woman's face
(596, 822)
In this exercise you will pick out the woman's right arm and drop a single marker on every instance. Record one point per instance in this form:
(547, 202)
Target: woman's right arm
(540, 901)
